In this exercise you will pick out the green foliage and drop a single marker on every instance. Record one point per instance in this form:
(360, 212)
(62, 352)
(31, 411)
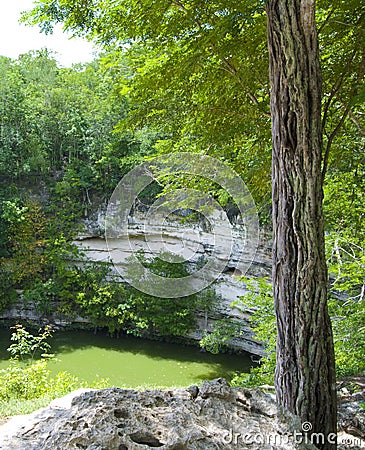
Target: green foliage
(26, 345)
(13, 213)
(91, 291)
(260, 303)
(24, 382)
(347, 313)
(23, 225)
(34, 381)
(257, 301)
(217, 340)
(180, 76)
(344, 203)
(258, 376)
(217, 98)
(348, 318)
(346, 260)
(346, 264)
(345, 245)
(26, 386)
(121, 307)
(61, 155)
(169, 316)
(59, 127)
(36, 258)
(198, 71)
(41, 295)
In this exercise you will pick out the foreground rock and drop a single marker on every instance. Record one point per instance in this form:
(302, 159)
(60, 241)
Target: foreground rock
(214, 416)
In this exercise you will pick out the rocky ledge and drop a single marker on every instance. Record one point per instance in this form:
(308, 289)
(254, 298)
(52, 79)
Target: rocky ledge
(214, 416)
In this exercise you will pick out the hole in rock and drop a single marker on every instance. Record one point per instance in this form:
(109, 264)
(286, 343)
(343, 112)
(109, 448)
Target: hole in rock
(145, 438)
(121, 414)
(233, 271)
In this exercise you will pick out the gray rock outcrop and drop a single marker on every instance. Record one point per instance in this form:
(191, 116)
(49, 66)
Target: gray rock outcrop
(214, 416)
(192, 241)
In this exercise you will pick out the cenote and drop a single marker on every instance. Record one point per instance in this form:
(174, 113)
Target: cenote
(133, 362)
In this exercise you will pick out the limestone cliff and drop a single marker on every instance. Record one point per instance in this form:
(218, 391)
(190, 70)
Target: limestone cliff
(191, 238)
(192, 241)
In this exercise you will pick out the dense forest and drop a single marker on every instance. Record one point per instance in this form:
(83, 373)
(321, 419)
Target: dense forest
(193, 77)
(66, 155)
(64, 148)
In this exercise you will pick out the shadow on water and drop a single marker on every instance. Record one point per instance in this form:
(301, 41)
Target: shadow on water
(65, 342)
(132, 358)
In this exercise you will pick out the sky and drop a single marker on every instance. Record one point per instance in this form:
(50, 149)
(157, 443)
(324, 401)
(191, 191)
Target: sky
(16, 38)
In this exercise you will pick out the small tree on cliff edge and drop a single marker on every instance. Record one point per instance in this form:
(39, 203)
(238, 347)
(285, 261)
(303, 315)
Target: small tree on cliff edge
(305, 371)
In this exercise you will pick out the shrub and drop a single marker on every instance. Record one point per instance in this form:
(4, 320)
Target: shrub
(26, 384)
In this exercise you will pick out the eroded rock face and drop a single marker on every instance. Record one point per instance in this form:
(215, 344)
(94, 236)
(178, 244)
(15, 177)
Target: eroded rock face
(239, 251)
(214, 416)
(228, 287)
(192, 241)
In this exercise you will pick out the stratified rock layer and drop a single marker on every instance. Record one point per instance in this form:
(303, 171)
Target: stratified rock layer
(190, 237)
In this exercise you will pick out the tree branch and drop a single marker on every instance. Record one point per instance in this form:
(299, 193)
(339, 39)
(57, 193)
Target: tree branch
(356, 121)
(226, 63)
(331, 139)
(336, 87)
(325, 22)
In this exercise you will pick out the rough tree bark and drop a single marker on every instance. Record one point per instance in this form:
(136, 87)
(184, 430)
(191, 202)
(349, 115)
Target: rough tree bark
(305, 373)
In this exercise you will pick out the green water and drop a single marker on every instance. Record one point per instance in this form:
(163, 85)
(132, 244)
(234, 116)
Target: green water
(132, 362)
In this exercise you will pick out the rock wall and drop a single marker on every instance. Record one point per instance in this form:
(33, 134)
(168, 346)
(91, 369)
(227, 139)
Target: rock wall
(214, 416)
(27, 312)
(176, 236)
(192, 241)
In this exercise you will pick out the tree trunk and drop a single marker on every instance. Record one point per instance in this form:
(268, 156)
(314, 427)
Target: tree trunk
(305, 372)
